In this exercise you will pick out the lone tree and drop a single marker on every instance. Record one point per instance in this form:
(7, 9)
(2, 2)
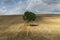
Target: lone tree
(29, 16)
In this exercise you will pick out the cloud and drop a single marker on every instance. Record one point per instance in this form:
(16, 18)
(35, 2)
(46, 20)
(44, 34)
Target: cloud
(51, 1)
(18, 8)
(36, 6)
(39, 6)
(44, 6)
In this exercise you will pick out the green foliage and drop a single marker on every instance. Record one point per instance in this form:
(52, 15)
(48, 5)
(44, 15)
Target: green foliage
(29, 16)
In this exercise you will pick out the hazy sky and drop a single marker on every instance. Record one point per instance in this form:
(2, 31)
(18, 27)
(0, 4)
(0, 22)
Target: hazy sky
(36, 6)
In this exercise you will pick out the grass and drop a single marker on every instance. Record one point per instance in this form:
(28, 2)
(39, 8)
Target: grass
(12, 28)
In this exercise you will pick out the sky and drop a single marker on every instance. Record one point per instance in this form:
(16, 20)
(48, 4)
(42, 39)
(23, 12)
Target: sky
(11, 7)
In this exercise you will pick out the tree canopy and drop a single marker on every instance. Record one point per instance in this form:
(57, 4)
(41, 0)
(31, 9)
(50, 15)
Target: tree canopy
(29, 16)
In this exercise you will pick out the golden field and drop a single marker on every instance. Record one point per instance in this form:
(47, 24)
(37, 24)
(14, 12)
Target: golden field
(12, 27)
